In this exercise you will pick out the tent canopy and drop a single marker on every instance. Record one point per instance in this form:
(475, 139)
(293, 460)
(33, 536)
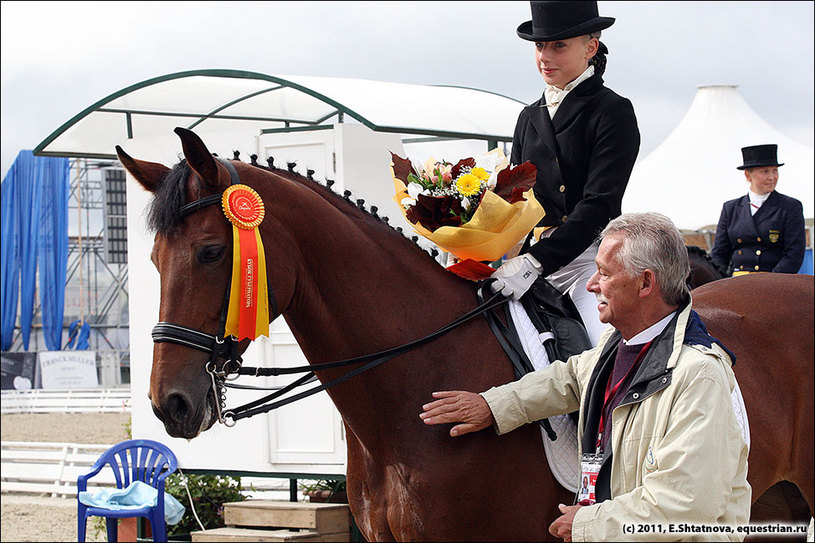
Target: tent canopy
(693, 172)
(225, 100)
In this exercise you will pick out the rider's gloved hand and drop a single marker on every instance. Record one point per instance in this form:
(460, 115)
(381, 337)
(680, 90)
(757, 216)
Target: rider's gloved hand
(515, 276)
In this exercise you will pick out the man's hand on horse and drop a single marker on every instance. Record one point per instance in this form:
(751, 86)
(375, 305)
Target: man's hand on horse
(562, 526)
(467, 410)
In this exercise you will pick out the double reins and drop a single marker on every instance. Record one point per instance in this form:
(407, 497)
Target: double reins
(226, 348)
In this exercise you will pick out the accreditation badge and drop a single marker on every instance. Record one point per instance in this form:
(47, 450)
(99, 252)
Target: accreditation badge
(590, 464)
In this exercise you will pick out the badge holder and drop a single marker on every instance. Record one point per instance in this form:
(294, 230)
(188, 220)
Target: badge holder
(590, 464)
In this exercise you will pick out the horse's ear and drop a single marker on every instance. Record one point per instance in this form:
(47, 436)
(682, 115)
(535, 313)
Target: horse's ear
(148, 174)
(198, 156)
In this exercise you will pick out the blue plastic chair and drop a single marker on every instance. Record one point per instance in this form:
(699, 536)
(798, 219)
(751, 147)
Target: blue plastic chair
(133, 460)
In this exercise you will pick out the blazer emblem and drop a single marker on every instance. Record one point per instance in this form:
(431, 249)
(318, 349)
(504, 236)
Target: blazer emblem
(650, 463)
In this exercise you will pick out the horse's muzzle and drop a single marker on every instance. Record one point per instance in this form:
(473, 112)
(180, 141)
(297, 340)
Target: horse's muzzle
(181, 418)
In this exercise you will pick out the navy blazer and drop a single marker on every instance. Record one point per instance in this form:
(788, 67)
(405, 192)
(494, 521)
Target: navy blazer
(772, 240)
(584, 157)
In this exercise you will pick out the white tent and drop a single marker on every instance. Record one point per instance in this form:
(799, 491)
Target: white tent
(693, 172)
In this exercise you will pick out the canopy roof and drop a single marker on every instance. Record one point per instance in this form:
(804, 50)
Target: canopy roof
(693, 172)
(221, 100)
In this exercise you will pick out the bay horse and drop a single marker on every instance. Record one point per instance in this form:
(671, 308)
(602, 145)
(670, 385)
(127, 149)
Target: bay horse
(348, 284)
(702, 268)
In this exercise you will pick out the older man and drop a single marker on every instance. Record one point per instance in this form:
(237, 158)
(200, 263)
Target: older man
(657, 433)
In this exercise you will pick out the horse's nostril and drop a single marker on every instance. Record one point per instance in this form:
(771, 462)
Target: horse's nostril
(157, 412)
(177, 408)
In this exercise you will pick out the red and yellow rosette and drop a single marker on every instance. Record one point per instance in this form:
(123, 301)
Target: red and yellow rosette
(248, 313)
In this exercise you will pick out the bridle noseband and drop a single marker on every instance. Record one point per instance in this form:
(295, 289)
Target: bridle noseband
(226, 348)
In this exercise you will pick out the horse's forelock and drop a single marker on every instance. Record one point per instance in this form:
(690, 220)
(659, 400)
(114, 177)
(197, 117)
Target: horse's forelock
(163, 214)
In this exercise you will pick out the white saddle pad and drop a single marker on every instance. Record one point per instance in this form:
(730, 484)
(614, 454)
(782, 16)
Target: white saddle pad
(562, 453)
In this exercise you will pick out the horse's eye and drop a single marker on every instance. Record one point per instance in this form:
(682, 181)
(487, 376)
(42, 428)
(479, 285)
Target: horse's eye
(210, 253)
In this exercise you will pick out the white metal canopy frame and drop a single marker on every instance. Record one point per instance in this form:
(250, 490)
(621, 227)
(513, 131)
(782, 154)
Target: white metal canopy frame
(232, 100)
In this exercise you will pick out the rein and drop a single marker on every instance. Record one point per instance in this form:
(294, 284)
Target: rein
(226, 348)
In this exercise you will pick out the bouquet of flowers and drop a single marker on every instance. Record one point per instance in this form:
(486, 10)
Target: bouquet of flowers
(475, 209)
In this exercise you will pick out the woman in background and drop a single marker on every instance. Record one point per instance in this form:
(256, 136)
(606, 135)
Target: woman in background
(762, 231)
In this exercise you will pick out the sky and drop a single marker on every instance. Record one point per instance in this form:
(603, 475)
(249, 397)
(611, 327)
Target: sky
(58, 58)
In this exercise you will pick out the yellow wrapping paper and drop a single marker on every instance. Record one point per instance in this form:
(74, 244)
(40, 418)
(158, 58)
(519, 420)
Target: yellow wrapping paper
(495, 228)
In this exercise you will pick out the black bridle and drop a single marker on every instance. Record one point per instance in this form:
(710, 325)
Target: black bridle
(226, 348)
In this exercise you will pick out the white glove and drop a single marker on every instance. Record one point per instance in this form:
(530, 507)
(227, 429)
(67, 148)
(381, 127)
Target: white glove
(515, 276)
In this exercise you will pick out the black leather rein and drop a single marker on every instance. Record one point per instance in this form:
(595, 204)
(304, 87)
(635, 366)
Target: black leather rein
(226, 348)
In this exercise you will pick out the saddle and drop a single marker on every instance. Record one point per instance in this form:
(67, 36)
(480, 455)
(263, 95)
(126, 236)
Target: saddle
(554, 312)
(559, 328)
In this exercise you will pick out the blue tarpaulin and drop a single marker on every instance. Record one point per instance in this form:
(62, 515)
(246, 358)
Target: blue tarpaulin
(9, 265)
(78, 334)
(53, 246)
(807, 265)
(34, 226)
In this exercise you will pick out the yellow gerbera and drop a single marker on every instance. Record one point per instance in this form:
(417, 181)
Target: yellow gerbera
(480, 173)
(468, 184)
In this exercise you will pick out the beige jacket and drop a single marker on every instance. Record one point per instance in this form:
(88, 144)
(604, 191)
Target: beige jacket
(679, 460)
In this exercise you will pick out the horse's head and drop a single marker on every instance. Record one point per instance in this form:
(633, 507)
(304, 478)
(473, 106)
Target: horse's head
(192, 252)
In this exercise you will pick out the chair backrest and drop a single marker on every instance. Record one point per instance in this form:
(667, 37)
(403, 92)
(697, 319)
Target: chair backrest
(139, 460)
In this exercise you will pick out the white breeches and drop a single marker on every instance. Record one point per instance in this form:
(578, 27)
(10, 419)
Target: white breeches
(571, 279)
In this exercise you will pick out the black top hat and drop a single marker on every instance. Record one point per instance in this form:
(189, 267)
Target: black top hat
(756, 156)
(560, 20)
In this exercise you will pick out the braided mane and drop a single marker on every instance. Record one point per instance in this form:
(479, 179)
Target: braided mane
(345, 202)
(163, 214)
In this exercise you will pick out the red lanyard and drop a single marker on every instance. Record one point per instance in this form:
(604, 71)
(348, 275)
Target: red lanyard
(612, 391)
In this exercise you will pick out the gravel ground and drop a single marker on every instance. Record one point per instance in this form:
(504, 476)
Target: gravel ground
(30, 517)
(87, 428)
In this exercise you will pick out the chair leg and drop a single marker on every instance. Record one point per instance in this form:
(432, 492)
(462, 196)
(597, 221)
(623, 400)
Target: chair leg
(81, 525)
(158, 526)
(113, 529)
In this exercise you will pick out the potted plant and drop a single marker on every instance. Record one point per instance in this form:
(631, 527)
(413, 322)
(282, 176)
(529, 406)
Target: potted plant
(209, 493)
(325, 491)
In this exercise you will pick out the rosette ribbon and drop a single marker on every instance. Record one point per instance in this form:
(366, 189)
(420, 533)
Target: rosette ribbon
(495, 228)
(248, 312)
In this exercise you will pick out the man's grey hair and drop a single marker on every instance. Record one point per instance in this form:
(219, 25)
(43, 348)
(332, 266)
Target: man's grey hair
(651, 241)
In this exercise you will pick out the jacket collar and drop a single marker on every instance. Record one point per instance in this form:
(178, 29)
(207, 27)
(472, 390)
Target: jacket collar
(539, 118)
(574, 102)
(743, 209)
(685, 328)
(772, 202)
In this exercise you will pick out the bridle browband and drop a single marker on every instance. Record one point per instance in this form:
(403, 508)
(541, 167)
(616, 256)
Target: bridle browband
(226, 348)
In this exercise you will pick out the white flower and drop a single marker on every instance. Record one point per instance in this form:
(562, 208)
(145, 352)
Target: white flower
(465, 203)
(407, 202)
(494, 161)
(492, 181)
(488, 162)
(415, 189)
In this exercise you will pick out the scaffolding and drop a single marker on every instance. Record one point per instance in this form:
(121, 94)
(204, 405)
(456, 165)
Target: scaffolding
(96, 279)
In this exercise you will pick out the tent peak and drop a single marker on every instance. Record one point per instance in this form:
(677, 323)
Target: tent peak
(716, 86)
